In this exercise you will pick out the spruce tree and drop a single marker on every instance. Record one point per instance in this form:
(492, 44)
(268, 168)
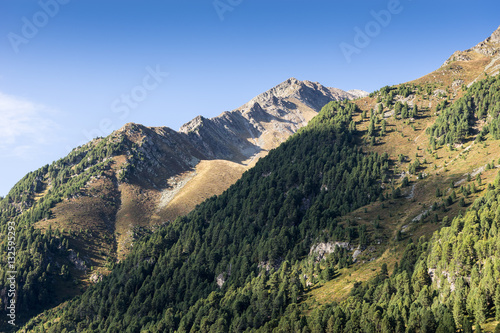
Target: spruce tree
(497, 303)
(466, 325)
(428, 322)
(447, 324)
(481, 308)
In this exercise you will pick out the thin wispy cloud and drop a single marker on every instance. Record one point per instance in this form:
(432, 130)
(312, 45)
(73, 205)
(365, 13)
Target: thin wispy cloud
(25, 126)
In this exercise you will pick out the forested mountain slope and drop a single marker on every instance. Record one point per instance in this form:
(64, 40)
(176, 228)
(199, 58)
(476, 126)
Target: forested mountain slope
(288, 202)
(307, 240)
(245, 260)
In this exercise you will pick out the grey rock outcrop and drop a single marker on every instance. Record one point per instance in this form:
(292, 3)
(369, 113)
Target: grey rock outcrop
(323, 249)
(358, 93)
(237, 136)
(490, 46)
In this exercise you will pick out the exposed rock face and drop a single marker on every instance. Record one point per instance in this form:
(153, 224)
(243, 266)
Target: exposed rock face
(96, 277)
(358, 93)
(279, 112)
(312, 94)
(457, 56)
(322, 249)
(356, 254)
(238, 136)
(77, 262)
(220, 280)
(457, 83)
(491, 46)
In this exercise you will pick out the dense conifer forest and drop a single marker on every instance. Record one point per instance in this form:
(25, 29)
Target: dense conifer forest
(255, 237)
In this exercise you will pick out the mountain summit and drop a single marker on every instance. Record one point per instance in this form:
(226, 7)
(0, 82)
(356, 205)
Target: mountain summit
(262, 123)
(313, 94)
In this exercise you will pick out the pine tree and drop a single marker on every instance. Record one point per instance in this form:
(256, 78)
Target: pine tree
(65, 272)
(428, 323)
(447, 324)
(383, 271)
(466, 325)
(480, 308)
(405, 182)
(328, 273)
(404, 111)
(386, 325)
(458, 307)
(371, 127)
(420, 278)
(330, 326)
(497, 303)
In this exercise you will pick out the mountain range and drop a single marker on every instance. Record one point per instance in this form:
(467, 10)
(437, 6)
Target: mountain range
(155, 174)
(379, 213)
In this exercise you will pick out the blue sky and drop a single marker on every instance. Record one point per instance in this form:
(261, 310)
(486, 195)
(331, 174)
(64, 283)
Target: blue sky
(74, 69)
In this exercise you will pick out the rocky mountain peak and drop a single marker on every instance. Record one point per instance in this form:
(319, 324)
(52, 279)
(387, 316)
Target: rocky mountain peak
(312, 94)
(130, 128)
(192, 124)
(490, 46)
(133, 132)
(495, 36)
(282, 90)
